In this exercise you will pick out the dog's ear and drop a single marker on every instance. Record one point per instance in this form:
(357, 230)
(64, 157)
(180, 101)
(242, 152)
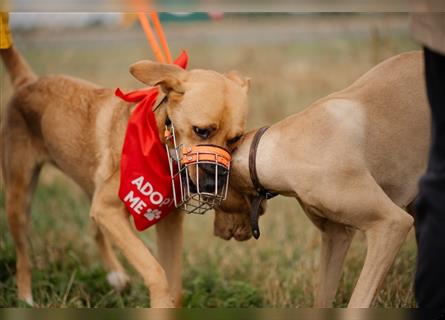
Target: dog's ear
(167, 76)
(243, 81)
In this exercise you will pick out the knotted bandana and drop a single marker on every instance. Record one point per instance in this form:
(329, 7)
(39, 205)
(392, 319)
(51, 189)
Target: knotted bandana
(145, 180)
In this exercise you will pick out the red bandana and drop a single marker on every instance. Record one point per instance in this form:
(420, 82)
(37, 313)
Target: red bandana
(145, 182)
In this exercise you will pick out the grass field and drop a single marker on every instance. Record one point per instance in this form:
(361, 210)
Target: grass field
(292, 62)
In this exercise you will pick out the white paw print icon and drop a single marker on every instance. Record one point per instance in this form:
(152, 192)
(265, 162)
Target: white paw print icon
(152, 214)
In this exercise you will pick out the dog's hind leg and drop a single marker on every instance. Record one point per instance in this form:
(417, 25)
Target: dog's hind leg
(21, 163)
(358, 201)
(20, 186)
(384, 238)
(170, 244)
(335, 241)
(116, 276)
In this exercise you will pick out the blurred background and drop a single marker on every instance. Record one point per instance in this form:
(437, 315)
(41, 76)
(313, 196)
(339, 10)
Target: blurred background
(293, 60)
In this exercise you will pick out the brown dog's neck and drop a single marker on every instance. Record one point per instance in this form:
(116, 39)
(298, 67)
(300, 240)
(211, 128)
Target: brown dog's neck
(240, 176)
(268, 165)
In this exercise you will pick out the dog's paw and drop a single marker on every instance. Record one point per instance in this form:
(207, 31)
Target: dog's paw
(162, 302)
(26, 302)
(118, 280)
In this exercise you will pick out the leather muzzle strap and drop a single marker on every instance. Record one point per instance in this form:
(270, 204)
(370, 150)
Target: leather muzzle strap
(262, 193)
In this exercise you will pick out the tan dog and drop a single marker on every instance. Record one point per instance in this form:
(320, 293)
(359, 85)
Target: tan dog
(80, 127)
(352, 160)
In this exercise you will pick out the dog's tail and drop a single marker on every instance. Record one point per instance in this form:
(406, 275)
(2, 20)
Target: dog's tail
(18, 69)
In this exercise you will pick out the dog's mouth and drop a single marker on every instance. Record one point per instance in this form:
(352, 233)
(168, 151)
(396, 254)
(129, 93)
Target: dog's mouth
(203, 179)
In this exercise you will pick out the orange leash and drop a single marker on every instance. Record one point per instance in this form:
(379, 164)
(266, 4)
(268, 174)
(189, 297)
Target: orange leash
(150, 35)
(158, 27)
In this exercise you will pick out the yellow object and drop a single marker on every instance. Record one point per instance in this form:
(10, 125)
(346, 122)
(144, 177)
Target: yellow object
(5, 34)
(128, 19)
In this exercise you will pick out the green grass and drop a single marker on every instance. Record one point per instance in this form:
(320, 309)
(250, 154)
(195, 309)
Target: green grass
(67, 272)
(279, 269)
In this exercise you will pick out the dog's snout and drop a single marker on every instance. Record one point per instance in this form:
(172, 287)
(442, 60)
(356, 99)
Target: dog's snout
(213, 178)
(212, 170)
(208, 185)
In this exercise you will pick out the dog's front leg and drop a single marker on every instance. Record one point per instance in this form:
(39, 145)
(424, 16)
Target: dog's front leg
(335, 241)
(110, 215)
(169, 233)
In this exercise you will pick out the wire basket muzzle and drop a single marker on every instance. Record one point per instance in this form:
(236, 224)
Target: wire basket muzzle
(200, 175)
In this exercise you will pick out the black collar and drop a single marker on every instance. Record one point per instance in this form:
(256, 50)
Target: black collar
(262, 193)
(160, 103)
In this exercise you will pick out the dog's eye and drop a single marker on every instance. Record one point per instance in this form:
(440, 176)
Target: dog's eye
(203, 133)
(234, 140)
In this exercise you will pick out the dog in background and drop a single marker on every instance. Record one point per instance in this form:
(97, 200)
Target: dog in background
(80, 127)
(353, 160)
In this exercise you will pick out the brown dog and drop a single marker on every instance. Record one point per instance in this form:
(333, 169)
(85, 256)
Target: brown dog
(80, 127)
(352, 160)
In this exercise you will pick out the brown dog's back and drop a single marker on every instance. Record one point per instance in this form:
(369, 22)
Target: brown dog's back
(69, 115)
(398, 123)
(60, 118)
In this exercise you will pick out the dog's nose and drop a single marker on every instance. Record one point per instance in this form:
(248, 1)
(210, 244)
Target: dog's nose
(210, 170)
(208, 185)
(210, 176)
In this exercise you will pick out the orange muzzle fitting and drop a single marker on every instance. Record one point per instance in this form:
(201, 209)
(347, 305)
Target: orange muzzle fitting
(206, 153)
